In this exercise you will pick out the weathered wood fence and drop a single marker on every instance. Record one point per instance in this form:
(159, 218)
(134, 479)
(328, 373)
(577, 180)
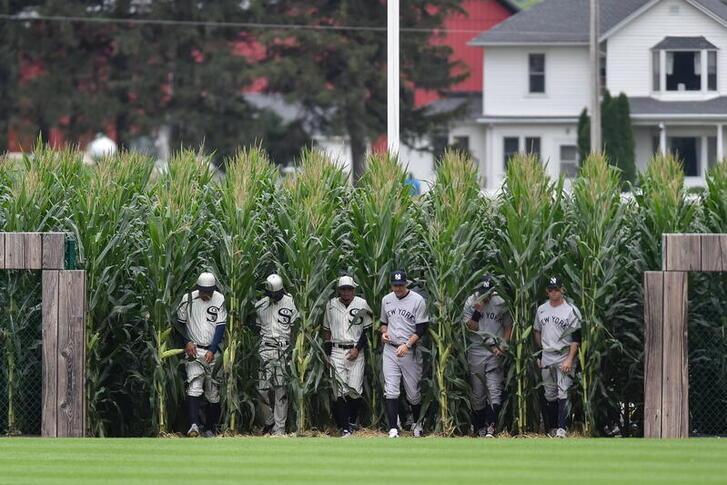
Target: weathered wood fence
(63, 327)
(666, 373)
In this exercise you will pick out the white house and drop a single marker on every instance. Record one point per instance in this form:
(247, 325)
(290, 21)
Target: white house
(668, 56)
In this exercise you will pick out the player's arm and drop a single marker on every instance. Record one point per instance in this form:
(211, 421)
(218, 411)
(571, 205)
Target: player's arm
(190, 349)
(327, 344)
(422, 319)
(384, 327)
(471, 317)
(576, 337)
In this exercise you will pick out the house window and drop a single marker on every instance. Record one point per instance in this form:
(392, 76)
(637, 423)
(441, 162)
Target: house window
(536, 71)
(532, 145)
(712, 71)
(656, 70)
(462, 143)
(569, 161)
(511, 146)
(683, 71)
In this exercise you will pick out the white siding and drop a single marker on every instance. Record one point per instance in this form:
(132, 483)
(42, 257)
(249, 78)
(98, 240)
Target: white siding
(477, 143)
(506, 82)
(551, 138)
(629, 67)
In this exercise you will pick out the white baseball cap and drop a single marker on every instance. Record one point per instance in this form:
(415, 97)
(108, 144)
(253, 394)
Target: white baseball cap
(206, 281)
(274, 282)
(346, 281)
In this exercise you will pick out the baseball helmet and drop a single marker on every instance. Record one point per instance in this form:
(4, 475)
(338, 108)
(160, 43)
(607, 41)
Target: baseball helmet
(206, 281)
(274, 283)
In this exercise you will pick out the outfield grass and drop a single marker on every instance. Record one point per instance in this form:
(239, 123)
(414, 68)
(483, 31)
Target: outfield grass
(371, 460)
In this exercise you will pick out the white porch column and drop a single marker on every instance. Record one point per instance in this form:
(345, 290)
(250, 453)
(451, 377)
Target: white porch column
(662, 138)
(489, 170)
(720, 142)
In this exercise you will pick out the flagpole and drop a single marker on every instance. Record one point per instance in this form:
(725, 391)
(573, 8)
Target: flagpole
(392, 76)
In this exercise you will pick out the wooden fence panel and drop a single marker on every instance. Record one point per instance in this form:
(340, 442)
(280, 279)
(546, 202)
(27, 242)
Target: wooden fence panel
(675, 394)
(14, 253)
(2, 250)
(33, 248)
(49, 413)
(653, 350)
(682, 252)
(54, 249)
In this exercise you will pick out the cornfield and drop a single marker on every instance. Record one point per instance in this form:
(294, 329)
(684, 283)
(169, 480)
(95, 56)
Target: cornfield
(143, 238)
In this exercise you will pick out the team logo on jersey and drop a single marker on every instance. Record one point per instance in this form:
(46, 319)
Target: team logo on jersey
(212, 313)
(353, 312)
(285, 314)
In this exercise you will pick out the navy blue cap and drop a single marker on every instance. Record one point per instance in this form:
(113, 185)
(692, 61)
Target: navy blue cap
(398, 278)
(554, 283)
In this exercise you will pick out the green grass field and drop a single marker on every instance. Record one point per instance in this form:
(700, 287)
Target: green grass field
(361, 460)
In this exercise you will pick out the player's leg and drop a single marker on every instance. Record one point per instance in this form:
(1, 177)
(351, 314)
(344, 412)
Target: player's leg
(411, 371)
(565, 381)
(495, 380)
(280, 391)
(478, 397)
(550, 387)
(264, 387)
(212, 394)
(340, 414)
(356, 371)
(195, 389)
(392, 389)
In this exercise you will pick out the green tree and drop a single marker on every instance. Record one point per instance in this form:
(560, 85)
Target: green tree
(584, 135)
(339, 75)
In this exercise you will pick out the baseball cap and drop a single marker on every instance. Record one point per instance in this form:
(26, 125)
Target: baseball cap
(554, 283)
(206, 282)
(487, 283)
(398, 277)
(344, 281)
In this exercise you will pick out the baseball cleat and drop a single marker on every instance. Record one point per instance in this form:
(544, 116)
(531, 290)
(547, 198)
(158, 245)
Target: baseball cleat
(193, 431)
(209, 434)
(551, 433)
(345, 434)
(393, 433)
(268, 428)
(560, 433)
(490, 432)
(482, 432)
(417, 429)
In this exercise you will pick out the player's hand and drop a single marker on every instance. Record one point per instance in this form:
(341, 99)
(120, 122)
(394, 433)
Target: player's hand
(352, 354)
(566, 366)
(209, 357)
(385, 337)
(540, 363)
(191, 350)
(479, 306)
(497, 351)
(402, 350)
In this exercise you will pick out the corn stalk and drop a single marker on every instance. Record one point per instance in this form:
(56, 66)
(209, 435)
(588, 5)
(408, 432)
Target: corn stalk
(241, 229)
(527, 241)
(313, 228)
(454, 238)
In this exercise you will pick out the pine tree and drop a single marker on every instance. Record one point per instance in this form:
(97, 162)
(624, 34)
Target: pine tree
(584, 135)
(627, 159)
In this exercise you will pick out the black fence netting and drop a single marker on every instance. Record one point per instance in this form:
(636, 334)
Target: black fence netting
(707, 334)
(20, 353)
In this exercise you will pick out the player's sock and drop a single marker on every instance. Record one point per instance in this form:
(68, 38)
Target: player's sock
(495, 410)
(416, 410)
(478, 421)
(354, 407)
(392, 412)
(563, 413)
(193, 403)
(213, 416)
(340, 414)
(552, 415)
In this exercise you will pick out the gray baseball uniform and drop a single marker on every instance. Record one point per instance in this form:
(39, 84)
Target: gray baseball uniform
(556, 325)
(201, 318)
(275, 321)
(345, 330)
(487, 373)
(401, 315)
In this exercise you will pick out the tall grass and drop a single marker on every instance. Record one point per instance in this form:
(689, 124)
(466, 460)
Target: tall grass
(242, 230)
(454, 236)
(382, 230)
(313, 228)
(528, 249)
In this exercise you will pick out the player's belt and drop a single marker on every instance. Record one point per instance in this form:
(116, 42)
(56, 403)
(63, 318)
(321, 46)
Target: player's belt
(344, 346)
(205, 347)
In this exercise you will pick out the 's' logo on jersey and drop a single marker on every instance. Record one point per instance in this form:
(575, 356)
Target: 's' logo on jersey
(285, 315)
(353, 320)
(212, 313)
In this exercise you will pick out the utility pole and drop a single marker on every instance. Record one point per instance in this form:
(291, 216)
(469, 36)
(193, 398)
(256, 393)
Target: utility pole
(392, 76)
(595, 80)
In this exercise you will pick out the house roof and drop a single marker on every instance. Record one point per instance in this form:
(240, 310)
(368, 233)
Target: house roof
(694, 43)
(470, 103)
(645, 106)
(567, 21)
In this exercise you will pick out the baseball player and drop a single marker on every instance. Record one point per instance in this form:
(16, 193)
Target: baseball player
(202, 312)
(489, 328)
(403, 323)
(345, 322)
(275, 313)
(557, 331)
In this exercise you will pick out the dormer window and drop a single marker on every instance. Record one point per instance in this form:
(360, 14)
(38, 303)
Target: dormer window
(684, 64)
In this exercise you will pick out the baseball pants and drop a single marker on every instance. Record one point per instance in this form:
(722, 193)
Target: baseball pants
(556, 383)
(487, 377)
(348, 374)
(408, 368)
(272, 386)
(201, 378)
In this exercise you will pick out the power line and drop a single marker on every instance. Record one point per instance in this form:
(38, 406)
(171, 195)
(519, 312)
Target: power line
(206, 23)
